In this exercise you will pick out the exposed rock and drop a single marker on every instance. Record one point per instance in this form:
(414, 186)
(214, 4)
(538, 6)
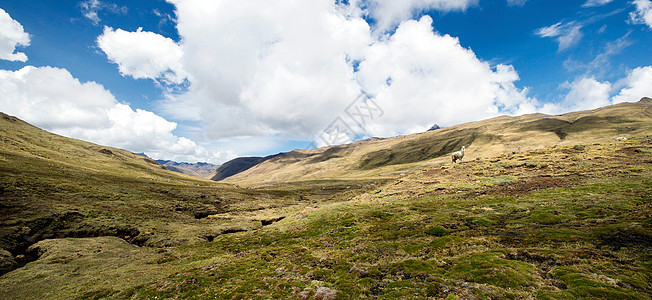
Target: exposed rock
(620, 139)
(305, 295)
(363, 271)
(7, 261)
(106, 151)
(324, 293)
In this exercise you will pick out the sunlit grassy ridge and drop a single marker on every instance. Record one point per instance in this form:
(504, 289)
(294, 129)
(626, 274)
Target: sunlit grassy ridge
(388, 158)
(568, 220)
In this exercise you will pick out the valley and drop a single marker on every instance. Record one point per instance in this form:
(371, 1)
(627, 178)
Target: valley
(545, 207)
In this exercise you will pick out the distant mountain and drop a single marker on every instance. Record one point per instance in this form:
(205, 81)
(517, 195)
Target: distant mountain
(200, 169)
(434, 127)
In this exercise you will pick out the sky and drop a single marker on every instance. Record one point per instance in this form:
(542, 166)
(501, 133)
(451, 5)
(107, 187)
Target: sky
(211, 80)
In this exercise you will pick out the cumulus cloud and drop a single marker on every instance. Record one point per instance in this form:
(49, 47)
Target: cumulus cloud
(643, 13)
(91, 8)
(260, 68)
(143, 54)
(637, 84)
(53, 99)
(589, 93)
(584, 93)
(594, 3)
(12, 35)
(420, 77)
(566, 34)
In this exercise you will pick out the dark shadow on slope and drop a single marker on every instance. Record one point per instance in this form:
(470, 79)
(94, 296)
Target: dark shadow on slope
(563, 128)
(236, 166)
(330, 153)
(427, 147)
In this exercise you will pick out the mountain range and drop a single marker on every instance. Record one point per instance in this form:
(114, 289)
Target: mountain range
(199, 169)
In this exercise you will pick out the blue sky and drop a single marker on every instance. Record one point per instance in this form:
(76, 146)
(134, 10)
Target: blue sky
(212, 80)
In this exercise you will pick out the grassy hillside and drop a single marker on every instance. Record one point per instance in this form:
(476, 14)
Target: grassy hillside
(566, 220)
(388, 158)
(56, 187)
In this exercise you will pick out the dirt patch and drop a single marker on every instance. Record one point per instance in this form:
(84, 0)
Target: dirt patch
(628, 151)
(528, 257)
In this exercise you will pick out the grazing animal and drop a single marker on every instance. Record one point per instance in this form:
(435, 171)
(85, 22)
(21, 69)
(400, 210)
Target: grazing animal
(458, 155)
(620, 139)
(517, 151)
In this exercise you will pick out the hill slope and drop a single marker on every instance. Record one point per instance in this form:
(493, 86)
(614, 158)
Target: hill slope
(388, 158)
(567, 221)
(235, 166)
(55, 187)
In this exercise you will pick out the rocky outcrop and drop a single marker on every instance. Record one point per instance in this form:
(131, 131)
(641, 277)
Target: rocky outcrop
(7, 261)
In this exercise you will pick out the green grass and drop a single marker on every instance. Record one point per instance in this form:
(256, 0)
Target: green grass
(512, 257)
(498, 180)
(544, 227)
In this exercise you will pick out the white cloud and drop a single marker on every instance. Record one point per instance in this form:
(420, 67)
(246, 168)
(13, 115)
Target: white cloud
(550, 31)
(643, 13)
(585, 93)
(516, 2)
(261, 68)
(594, 3)
(389, 13)
(567, 34)
(53, 99)
(602, 61)
(143, 54)
(637, 84)
(12, 35)
(589, 93)
(91, 8)
(434, 80)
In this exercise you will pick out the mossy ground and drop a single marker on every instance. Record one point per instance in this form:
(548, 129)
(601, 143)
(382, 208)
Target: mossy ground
(556, 223)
